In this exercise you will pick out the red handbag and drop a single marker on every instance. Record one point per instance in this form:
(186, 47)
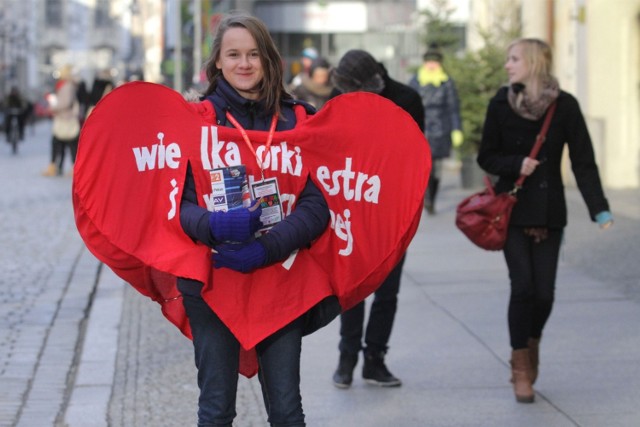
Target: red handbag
(484, 217)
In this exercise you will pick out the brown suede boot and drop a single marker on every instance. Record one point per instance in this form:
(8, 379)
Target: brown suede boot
(520, 371)
(534, 357)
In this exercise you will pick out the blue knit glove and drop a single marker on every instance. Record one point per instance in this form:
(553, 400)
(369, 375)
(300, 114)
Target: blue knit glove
(604, 219)
(242, 257)
(236, 225)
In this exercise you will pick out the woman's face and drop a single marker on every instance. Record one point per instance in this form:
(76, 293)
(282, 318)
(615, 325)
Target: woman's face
(240, 63)
(516, 67)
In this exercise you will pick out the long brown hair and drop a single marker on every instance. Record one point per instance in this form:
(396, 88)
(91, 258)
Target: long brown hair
(271, 89)
(539, 59)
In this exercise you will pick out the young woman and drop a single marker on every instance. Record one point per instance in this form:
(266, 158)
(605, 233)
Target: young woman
(246, 90)
(514, 118)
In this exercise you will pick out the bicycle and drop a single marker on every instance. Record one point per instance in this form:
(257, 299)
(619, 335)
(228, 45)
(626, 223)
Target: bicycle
(13, 129)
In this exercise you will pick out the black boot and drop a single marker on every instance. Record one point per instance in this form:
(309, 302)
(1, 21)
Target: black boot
(343, 376)
(375, 371)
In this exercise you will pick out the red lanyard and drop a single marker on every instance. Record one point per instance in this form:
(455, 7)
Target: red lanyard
(272, 130)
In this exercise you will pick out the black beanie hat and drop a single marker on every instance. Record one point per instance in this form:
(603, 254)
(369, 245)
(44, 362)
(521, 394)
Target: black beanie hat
(433, 53)
(358, 71)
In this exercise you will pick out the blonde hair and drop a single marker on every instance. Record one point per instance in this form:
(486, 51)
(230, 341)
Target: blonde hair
(539, 59)
(66, 72)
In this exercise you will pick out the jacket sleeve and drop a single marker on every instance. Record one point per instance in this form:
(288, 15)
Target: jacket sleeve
(416, 109)
(454, 105)
(194, 218)
(491, 155)
(307, 222)
(583, 162)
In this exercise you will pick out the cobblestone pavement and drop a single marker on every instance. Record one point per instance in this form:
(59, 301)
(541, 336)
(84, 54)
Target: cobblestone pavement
(40, 249)
(155, 382)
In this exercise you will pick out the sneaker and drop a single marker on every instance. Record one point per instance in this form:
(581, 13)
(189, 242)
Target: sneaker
(343, 376)
(375, 372)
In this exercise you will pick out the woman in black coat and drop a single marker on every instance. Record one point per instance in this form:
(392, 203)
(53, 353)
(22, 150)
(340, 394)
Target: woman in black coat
(513, 120)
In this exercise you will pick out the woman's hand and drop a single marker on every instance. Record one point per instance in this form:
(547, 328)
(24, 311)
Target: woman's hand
(604, 219)
(236, 225)
(528, 166)
(242, 257)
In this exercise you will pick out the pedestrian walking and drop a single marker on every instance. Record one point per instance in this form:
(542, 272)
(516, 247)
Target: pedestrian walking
(513, 120)
(307, 56)
(102, 85)
(442, 122)
(65, 110)
(16, 109)
(359, 71)
(315, 86)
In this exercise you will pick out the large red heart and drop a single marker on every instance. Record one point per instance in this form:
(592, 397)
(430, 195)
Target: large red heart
(367, 155)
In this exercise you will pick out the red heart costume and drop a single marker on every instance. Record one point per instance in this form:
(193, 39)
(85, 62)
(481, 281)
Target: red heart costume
(366, 155)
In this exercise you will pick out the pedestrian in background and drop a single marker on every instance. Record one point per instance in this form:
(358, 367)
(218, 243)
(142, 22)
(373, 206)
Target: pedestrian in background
(65, 111)
(307, 56)
(442, 122)
(315, 87)
(359, 71)
(82, 96)
(16, 109)
(246, 90)
(514, 118)
(102, 85)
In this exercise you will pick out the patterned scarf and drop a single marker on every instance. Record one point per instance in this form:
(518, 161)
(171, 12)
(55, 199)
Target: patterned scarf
(533, 109)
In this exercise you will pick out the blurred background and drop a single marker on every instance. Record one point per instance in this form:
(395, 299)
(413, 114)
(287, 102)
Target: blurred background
(596, 46)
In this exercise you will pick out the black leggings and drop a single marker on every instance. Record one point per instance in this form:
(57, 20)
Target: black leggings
(532, 271)
(58, 149)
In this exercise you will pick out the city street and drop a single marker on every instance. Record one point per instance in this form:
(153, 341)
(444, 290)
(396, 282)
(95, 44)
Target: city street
(80, 348)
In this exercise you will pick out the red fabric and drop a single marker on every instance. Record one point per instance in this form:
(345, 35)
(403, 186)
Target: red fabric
(127, 185)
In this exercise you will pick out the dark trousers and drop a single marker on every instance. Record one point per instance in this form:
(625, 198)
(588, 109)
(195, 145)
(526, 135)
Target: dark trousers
(216, 356)
(58, 150)
(532, 272)
(381, 316)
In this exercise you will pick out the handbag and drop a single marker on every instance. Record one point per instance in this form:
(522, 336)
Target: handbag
(484, 216)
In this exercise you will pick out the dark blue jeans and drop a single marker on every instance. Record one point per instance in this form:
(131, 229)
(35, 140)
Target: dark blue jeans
(216, 356)
(383, 312)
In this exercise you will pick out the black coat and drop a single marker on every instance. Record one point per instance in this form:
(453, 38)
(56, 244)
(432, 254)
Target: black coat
(508, 138)
(404, 97)
(400, 94)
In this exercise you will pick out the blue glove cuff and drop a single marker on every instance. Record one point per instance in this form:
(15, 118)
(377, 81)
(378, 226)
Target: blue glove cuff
(604, 217)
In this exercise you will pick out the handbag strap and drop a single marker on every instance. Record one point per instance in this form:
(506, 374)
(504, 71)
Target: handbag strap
(539, 140)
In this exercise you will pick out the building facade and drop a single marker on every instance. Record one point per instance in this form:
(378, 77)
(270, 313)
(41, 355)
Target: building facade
(596, 46)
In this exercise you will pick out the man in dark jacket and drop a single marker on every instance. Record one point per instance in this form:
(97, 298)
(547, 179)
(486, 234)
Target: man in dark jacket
(359, 71)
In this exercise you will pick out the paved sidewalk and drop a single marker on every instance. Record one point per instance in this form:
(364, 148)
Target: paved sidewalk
(80, 348)
(450, 343)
